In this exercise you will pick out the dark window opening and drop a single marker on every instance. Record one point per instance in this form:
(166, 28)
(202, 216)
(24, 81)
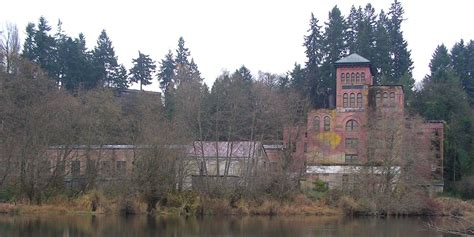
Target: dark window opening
(351, 158)
(359, 100)
(316, 123)
(352, 125)
(352, 143)
(121, 167)
(327, 123)
(352, 100)
(75, 168)
(345, 100)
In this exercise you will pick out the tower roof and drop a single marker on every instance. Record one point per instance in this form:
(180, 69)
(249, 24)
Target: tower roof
(352, 59)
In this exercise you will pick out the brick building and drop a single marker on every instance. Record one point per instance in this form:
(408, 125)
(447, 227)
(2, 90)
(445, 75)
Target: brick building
(335, 140)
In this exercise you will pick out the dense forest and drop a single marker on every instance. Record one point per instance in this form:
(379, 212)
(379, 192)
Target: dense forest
(56, 91)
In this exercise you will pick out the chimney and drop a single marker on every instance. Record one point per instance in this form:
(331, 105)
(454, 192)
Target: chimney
(331, 99)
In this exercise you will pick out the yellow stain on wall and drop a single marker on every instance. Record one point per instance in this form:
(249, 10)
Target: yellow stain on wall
(330, 137)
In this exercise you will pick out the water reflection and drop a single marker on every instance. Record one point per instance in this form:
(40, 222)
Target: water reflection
(117, 226)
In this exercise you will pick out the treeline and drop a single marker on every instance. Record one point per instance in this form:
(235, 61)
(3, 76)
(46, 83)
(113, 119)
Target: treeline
(377, 37)
(447, 93)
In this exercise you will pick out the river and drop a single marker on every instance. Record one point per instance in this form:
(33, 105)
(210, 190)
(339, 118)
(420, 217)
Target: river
(228, 226)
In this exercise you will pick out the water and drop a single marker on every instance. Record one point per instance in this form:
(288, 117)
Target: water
(117, 226)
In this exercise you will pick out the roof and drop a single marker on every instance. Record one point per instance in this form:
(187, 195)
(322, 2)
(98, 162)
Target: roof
(236, 149)
(353, 59)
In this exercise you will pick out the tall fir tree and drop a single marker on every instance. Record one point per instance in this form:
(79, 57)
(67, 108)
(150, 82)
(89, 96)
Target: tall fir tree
(166, 73)
(109, 71)
(381, 59)
(182, 53)
(314, 45)
(334, 48)
(142, 70)
(352, 22)
(401, 56)
(440, 60)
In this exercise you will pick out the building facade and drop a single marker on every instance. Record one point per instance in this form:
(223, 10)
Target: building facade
(335, 141)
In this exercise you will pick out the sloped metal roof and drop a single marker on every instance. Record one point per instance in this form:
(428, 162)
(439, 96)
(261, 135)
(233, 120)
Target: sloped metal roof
(353, 59)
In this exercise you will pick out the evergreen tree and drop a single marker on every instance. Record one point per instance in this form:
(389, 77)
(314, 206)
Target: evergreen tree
(45, 51)
(355, 15)
(182, 53)
(142, 70)
(381, 59)
(119, 78)
(401, 56)
(29, 45)
(314, 45)
(298, 78)
(194, 71)
(441, 60)
(462, 57)
(334, 40)
(77, 70)
(246, 74)
(334, 49)
(110, 72)
(40, 47)
(166, 73)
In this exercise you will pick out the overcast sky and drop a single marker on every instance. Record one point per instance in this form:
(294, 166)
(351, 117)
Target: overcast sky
(224, 34)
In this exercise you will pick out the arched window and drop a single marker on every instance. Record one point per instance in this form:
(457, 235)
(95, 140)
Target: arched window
(385, 97)
(352, 78)
(345, 99)
(357, 77)
(359, 100)
(352, 125)
(352, 100)
(343, 78)
(392, 97)
(327, 123)
(362, 77)
(316, 123)
(347, 78)
(378, 98)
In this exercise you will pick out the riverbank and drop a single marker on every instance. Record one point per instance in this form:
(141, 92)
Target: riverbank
(203, 206)
(191, 204)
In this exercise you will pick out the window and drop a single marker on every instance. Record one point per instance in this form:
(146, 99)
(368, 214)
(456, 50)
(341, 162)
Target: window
(359, 100)
(305, 147)
(352, 143)
(347, 78)
(352, 100)
(343, 78)
(75, 168)
(392, 97)
(378, 98)
(351, 158)
(357, 77)
(316, 123)
(106, 167)
(327, 123)
(362, 77)
(305, 134)
(352, 78)
(352, 125)
(293, 146)
(385, 97)
(345, 99)
(121, 167)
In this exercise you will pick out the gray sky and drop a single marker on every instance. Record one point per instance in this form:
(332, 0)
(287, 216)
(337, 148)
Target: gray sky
(224, 34)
